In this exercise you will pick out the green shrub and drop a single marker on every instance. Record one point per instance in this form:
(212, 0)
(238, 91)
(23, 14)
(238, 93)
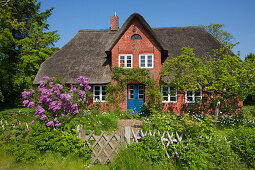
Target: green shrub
(26, 144)
(25, 153)
(179, 123)
(206, 153)
(147, 154)
(243, 143)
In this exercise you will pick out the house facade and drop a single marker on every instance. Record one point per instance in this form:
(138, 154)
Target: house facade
(94, 53)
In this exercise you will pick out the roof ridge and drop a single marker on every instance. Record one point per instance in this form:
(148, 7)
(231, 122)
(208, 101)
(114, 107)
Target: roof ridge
(186, 27)
(94, 30)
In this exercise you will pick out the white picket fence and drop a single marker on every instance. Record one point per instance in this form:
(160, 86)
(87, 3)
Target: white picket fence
(105, 147)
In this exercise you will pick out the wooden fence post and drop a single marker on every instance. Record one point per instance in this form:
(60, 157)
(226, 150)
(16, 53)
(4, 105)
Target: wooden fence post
(127, 134)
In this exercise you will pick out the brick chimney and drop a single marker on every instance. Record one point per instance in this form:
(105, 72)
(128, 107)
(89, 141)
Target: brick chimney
(114, 23)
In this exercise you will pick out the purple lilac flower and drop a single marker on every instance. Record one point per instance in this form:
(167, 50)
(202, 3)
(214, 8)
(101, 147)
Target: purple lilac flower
(88, 87)
(25, 94)
(59, 86)
(25, 102)
(82, 93)
(31, 104)
(43, 117)
(65, 96)
(32, 122)
(46, 78)
(56, 120)
(62, 115)
(52, 78)
(58, 124)
(50, 123)
(41, 84)
(39, 109)
(57, 92)
(32, 91)
(51, 84)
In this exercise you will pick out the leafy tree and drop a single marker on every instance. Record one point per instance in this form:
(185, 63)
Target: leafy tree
(216, 30)
(24, 45)
(249, 64)
(221, 75)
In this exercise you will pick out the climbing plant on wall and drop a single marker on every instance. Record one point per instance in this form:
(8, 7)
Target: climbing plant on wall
(121, 77)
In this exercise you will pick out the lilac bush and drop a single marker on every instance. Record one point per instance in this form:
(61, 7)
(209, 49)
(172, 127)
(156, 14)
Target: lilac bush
(54, 103)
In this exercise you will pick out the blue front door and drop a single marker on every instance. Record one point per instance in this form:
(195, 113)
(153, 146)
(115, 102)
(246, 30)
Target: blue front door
(135, 97)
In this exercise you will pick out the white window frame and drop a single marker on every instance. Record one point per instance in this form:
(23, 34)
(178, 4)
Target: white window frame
(193, 96)
(100, 93)
(125, 60)
(146, 60)
(169, 95)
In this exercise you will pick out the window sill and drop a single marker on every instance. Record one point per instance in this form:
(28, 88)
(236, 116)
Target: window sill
(168, 102)
(98, 101)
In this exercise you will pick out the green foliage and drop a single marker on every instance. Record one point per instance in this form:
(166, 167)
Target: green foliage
(216, 31)
(221, 75)
(24, 45)
(124, 76)
(25, 144)
(25, 153)
(94, 120)
(189, 125)
(243, 143)
(149, 152)
(206, 153)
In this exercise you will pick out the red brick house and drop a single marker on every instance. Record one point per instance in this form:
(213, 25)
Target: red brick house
(94, 53)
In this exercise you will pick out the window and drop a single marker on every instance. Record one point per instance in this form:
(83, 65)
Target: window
(193, 96)
(136, 37)
(141, 92)
(99, 93)
(146, 60)
(126, 60)
(169, 94)
(131, 92)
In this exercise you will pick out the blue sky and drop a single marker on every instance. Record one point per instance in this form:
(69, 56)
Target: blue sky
(238, 16)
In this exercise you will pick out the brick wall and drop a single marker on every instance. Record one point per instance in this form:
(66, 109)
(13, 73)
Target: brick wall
(146, 45)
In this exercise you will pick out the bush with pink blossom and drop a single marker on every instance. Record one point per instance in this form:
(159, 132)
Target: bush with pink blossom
(54, 103)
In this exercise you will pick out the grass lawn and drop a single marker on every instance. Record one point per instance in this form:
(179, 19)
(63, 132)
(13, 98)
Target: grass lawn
(15, 109)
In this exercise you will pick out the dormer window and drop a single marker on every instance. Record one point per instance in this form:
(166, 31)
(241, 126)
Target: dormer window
(136, 37)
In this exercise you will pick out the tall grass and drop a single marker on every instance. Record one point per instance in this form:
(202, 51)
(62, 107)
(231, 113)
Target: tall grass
(47, 161)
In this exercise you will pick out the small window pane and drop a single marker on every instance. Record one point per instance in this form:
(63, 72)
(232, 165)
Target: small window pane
(122, 63)
(122, 57)
(128, 57)
(103, 97)
(131, 91)
(190, 99)
(97, 92)
(97, 87)
(165, 99)
(165, 93)
(189, 93)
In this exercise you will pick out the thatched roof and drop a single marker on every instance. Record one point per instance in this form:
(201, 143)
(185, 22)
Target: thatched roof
(86, 54)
